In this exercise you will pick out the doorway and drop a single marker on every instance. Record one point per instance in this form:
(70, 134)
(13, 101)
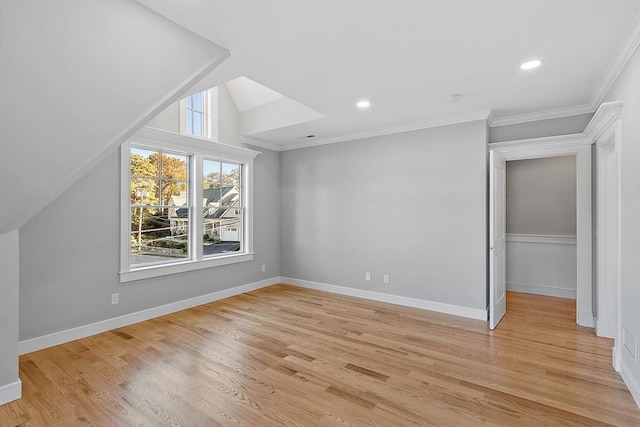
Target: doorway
(577, 147)
(541, 226)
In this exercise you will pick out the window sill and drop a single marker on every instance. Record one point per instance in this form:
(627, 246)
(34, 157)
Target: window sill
(181, 267)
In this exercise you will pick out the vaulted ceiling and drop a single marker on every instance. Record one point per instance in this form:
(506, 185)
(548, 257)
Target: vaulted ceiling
(409, 57)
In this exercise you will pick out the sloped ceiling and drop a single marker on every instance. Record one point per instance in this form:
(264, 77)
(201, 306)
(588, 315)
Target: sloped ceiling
(77, 78)
(248, 94)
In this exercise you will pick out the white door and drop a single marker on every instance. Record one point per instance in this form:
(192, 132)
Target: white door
(497, 232)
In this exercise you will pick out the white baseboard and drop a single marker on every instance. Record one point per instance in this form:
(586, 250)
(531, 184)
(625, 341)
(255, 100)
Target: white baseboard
(615, 358)
(550, 291)
(56, 338)
(457, 310)
(10, 392)
(585, 318)
(632, 385)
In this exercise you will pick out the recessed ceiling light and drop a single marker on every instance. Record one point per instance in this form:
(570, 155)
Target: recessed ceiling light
(530, 65)
(364, 104)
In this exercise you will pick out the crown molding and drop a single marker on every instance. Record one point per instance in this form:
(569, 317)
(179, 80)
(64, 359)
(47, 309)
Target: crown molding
(258, 142)
(625, 52)
(602, 120)
(607, 80)
(555, 113)
(407, 127)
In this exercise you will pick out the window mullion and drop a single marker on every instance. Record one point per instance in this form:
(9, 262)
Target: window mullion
(195, 191)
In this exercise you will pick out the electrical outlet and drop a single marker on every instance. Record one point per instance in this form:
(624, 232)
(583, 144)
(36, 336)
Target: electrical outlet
(115, 298)
(385, 279)
(367, 276)
(264, 267)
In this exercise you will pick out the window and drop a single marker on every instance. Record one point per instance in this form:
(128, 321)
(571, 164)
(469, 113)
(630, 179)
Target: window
(198, 114)
(195, 114)
(187, 204)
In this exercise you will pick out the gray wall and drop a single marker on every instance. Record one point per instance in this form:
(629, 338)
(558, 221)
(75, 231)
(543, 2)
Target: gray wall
(627, 88)
(411, 205)
(69, 255)
(541, 196)
(9, 280)
(551, 127)
(228, 118)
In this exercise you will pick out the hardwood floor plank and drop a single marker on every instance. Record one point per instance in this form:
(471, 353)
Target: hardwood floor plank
(287, 356)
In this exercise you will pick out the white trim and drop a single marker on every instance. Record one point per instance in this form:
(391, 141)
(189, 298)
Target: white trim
(61, 337)
(632, 385)
(551, 291)
(550, 146)
(258, 142)
(605, 131)
(180, 142)
(600, 127)
(457, 310)
(615, 358)
(586, 318)
(10, 392)
(181, 267)
(625, 52)
(212, 118)
(535, 116)
(578, 145)
(542, 238)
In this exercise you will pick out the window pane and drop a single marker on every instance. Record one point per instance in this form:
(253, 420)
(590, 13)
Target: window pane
(197, 101)
(211, 191)
(210, 174)
(231, 175)
(221, 235)
(189, 102)
(156, 238)
(189, 122)
(144, 191)
(174, 166)
(230, 197)
(197, 124)
(174, 193)
(142, 162)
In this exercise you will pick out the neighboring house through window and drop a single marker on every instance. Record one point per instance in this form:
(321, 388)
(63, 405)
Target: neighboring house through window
(187, 204)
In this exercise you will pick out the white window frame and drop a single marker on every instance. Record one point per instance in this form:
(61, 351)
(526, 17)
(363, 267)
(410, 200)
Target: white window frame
(209, 114)
(197, 148)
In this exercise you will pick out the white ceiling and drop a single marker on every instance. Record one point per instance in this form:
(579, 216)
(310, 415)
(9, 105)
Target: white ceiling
(408, 57)
(248, 94)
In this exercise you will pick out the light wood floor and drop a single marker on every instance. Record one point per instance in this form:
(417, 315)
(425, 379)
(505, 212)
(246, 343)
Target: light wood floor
(285, 356)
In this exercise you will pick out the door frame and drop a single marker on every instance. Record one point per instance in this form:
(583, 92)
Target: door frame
(578, 145)
(604, 130)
